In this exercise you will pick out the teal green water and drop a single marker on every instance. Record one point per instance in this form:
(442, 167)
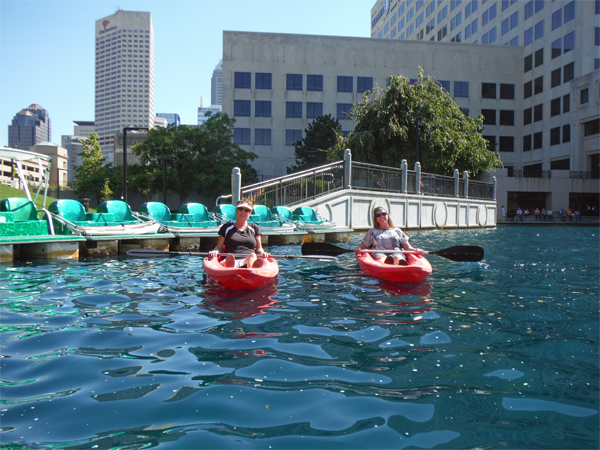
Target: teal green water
(131, 353)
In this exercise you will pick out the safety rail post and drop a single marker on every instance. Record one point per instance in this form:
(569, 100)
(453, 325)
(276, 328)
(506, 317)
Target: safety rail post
(236, 185)
(417, 178)
(404, 181)
(494, 186)
(348, 169)
(466, 179)
(456, 182)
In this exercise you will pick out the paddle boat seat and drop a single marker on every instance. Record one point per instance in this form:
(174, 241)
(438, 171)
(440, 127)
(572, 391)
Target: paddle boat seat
(262, 217)
(74, 212)
(282, 214)
(307, 215)
(225, 213)
(199, 215)
(19, 217)
(121, 212)
(160, 212)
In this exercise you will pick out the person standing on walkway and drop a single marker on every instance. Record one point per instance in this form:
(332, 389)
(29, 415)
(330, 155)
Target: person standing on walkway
(544, 213)
(502, 214)
(537, 214)
(550, 218)
(519, 214)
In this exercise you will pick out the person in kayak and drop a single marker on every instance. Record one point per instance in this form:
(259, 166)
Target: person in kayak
(240, 238)
(385, 236)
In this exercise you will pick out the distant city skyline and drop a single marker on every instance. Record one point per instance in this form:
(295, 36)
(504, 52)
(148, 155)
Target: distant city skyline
(61, 76)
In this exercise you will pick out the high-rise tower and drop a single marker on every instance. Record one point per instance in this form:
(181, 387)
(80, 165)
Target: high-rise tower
(124, 74)
(216, 85)
(29, 127)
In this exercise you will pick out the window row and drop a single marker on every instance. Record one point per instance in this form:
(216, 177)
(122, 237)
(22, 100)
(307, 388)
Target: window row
(295, 82)
(535, 141)
(263, 108)
(507, 91)
(506, 117)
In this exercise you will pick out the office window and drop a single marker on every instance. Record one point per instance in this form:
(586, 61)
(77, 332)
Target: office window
(314, 83)
(557, 19)
(488, 90)
(566, 133)
(514, 42)
(528, 89)
(343, 110)
(538, 113)
(364, 84)
(485, 18)
(528, 10)
(444, 84)
(262, 108)
(293, 110)
(569, 12)
(539, 5)
(262, 136)
(461, 88)
(345, 84)
(584, 96)
(528, 63)
(538, 85)
(241, 136)
(442, 14)
(537, 140)
(507, 144)
(555, 107)
(505, 26)
(539, 30)
(528, 36)
(465, 111)
(567, 103)
(569, 42)
(492, 34)
(314, 110)
(242, 80)
(561, 164)
(555, 136)
(555, 78)
(539, 57)
(507, 91)
(568, 72)
(430, 8)
(556, 48)
(263, 80)
(597, 35)
(489, 116)
(292, 137)
(468, 32)
(430, 26)
(507, 117)
(242, 108)
(527, 116)
(527, 143)
(443, 32)
(293, 81)
(490, 143)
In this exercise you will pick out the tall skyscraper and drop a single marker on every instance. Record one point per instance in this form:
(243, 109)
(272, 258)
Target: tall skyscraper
(124, 74)
(29, 127)
(216, 85)
(172, 118)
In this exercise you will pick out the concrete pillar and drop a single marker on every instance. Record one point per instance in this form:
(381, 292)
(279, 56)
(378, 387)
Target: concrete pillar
(404, 168)
(236, 185)
(417, 177)
(348, 169)
(494, 187)
(456, 182)
(466, 178)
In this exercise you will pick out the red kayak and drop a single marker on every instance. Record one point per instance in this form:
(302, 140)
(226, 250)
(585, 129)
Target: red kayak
(240, 278)
(417, 270)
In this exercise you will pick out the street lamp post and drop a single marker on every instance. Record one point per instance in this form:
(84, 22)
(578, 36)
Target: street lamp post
(125, 130)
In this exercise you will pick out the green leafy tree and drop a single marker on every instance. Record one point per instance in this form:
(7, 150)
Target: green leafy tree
(320, 136)
(92, 174)
(106, 191)
(197, 159)
(386, 130)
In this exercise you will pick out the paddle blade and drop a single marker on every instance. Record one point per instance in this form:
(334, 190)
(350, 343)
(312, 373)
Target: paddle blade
(463, 253)
(323, 248)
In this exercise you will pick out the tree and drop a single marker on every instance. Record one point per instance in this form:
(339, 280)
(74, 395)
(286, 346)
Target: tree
(386, 130)
(197, 159)
(92, 174)
(320, 135)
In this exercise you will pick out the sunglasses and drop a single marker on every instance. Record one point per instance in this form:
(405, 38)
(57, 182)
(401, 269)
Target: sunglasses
(378, 215)
(244, 210)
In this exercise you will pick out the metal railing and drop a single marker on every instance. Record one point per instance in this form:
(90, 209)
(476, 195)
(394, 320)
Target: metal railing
(371, 177)
(437, 185)
(297, 188)
(480, 190)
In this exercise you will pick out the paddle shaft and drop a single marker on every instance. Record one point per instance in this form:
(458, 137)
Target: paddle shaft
(146, 253)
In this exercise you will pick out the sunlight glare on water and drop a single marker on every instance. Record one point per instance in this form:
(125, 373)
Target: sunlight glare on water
(134, 353)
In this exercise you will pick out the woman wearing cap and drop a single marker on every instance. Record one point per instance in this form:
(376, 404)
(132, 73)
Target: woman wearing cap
(240, 238)
(385, 236)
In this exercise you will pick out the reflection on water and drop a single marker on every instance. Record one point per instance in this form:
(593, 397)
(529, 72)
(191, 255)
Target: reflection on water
(130, 353)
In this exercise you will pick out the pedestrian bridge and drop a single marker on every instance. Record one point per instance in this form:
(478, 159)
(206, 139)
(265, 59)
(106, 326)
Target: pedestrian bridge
(346, 192)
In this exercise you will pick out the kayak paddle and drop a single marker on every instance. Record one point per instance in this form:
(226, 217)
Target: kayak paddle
(151, 253)
(464, 253)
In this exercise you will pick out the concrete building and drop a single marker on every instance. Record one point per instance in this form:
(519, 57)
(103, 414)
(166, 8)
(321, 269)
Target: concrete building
(553, 159)
(216, 85)
(124, 74)
(204, 113)
(84, 128)
(171, 118)
(59, 170)
(541, 103)
(30, 126)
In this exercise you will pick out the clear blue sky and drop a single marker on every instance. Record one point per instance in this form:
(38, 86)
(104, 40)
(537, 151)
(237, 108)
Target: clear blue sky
(47, 48)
